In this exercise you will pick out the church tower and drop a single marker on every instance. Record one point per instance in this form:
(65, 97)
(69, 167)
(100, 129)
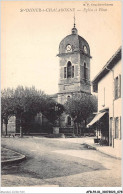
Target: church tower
(74, 61)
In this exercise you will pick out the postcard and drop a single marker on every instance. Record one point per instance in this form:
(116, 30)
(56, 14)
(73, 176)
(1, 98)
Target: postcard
(61, 110)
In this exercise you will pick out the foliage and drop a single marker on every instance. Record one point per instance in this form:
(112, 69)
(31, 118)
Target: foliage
(81, 106)
(26, 102)
(21, 100)
(53, 111)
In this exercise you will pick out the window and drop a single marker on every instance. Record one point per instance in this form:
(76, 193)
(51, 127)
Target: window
(69, 66)
(117, 85)
(72, 71)
(68, 97)
(117, 128)
(120, 129)
(85, 71)
(69, 70)
(65, 72)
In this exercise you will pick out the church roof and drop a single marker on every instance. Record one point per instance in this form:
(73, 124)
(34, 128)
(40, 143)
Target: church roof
(77, 43)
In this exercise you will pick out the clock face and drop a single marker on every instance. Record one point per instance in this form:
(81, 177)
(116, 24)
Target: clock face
(68, 47)
(85, 49)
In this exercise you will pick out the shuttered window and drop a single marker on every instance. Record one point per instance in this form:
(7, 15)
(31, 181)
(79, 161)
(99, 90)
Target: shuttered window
(117, 128)
(116, 87)
(119, 86)
(72, 71)
(120, 135)
(69, 69)
(85, 71)
(65, 72)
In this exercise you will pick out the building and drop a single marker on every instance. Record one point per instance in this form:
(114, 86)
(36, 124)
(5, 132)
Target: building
(108, 86)
(74, 63)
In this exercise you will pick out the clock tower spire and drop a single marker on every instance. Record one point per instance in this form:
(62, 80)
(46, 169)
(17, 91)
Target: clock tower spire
(74, 30)
(74, 20)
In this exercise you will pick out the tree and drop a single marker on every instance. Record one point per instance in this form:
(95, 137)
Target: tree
(80, 108)
(7, 110)
(53, 111)
(25, 103)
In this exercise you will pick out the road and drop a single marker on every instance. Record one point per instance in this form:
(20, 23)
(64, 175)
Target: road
(57, 163)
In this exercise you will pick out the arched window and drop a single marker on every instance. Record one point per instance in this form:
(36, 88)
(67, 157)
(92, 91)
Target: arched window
(69, 120)
(68, 97)
(85, 71)
(69, 69)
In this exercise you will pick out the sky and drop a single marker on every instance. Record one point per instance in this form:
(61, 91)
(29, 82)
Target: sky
(30, 39)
